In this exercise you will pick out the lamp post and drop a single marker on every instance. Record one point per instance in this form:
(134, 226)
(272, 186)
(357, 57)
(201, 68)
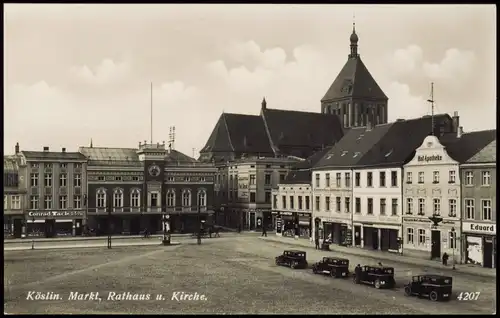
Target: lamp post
(199, 220)
(454, 243)
(166, 229)
(109, 229)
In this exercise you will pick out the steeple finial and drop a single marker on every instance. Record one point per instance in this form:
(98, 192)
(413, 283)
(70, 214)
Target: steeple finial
(354, 41)
(264, 103)
(354, 23)
(91, 143)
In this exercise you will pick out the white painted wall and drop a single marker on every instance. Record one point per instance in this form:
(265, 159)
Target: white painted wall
(294, 190)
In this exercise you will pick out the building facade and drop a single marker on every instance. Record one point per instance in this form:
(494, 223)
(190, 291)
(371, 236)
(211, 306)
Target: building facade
(377, 208)
(55, 192)
(292, 207)
(244, 191)
(431, 188)
(130, 189)
(479, 208)
(14, 196)
(332, 206)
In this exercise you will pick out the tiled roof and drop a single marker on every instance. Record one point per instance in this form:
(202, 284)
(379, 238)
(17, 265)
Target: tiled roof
(112, 154)
(51, 155)
(354, 80)
(312, 160)
(178, 157)
(469, 144)
(486, 155)
(298, 177)
(239, 133)
(312, 131)
(398, 145)
(351, 148)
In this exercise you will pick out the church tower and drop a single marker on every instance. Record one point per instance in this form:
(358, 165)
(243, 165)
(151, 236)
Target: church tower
(355, 95)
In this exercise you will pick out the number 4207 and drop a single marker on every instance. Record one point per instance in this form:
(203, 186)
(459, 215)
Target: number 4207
(468, 295)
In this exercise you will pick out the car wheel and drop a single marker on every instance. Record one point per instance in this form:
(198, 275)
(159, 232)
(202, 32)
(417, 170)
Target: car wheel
(408, 291)
(293, 265)
(333, 274)
(277, 262)
(354, 280)
(314, 270)
(377, 284)
(433, 296)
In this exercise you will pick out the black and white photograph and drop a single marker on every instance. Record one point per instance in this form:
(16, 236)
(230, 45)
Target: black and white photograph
(234, 159)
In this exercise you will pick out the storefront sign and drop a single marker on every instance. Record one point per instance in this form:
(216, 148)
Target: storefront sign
(55, 214)
(482, 228)
(430, 158)
(426, 220)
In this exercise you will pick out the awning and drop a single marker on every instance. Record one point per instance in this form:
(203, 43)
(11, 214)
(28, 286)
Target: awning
(304, 223)
(64, 221)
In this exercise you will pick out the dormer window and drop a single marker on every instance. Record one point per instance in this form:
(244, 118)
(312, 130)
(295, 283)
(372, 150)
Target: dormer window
(344, 153)
(389, 153)
(356, 154)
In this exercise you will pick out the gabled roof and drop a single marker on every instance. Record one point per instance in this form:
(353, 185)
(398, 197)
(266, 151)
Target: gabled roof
(470, 144)
(352, 147)
(300, 173)
(238, 133)
(354, 81)
(398, 145)
(486, 155)
(51, 155)
(306, 129)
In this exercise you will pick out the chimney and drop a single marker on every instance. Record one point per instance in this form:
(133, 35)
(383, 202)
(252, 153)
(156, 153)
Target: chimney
(63, 150)
(455, 122)
(17, 148)
(264, 103)
(45, 149)
(460, 131)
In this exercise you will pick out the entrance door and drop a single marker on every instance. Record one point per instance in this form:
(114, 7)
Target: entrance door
(375, 238)
(357, 235)
(488, 253)
(252, 221)
(435, 244)
(50, 228)
(78, 227)
(18, 228)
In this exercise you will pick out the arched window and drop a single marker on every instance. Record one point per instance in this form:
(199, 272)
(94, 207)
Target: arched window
(202, 198)
(101, 198)
(118, 198)
(186, 198)
(135, 198)
(171, 198)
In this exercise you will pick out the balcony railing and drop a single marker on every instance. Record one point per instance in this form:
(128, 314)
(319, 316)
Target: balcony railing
(148, 209)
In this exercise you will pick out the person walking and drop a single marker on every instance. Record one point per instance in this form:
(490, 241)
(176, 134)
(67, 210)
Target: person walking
(445, 259)
(316, 242)
(264, 231)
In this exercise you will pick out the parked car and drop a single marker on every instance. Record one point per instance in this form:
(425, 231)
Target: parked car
(335, 267)
(376, 275)
(292, 258)
(436, 287)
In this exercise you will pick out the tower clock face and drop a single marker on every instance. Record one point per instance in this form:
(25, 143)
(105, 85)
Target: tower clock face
(154, 170)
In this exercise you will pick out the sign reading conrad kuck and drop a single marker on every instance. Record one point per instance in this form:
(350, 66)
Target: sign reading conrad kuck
(55, 214)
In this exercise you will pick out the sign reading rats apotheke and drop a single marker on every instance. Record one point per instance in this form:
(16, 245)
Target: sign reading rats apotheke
(430, 158)
(55, 214)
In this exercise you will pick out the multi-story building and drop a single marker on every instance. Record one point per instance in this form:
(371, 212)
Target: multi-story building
(129, 189)
(333, 181)
(14, 191)
(292, 200)
(243, 190)
(380, 175)
(56, 190)
(432, 192)
(479, 207)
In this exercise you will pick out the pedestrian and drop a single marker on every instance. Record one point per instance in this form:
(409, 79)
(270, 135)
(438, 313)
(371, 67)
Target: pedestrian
(380, 264)
(445, 259)
(239, 228)
(357, 272)
(264, 231)
(316, 242)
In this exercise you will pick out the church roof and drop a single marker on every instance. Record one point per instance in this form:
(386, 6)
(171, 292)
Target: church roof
(297, 128)
(354, 81)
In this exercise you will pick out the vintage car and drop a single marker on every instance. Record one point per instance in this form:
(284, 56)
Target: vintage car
(376, 275)
(335, 267)
(292, 258)
(436, 287)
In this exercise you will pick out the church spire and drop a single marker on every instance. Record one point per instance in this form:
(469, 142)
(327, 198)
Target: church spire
(354, 41)
(91, 143)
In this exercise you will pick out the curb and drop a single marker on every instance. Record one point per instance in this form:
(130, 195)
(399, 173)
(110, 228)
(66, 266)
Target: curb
(90, 238)
(383, 257)
(87, 246)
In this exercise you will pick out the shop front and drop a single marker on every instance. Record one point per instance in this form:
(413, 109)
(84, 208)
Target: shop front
(54, 223)
(13, 225)
(378, 236)
(336, 231)
(480, 243)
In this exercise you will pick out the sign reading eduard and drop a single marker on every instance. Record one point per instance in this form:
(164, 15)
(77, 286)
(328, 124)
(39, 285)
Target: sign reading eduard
(55, 214)
(430, 158)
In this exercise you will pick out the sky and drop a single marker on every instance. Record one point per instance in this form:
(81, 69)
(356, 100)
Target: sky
(79, 72)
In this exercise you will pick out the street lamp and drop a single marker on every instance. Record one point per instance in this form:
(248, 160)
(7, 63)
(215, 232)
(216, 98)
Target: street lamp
(199, 220)
(454, 244)
(166, 231)
(109, 228)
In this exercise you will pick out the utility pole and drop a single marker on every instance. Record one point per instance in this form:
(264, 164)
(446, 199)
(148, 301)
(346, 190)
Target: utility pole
(199, 220)
(431, 100)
